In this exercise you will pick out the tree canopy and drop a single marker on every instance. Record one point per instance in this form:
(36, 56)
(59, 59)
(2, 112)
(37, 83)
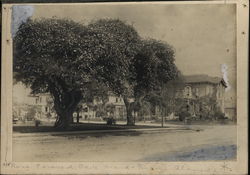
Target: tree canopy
(154, 66)
(52, 56)
(121, 43)
(73, 62)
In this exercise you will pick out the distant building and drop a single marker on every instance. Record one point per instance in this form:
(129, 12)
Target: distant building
(118, 106)
(27, 106)
(192, 90)
(114, 105)
(43, 102)
(196, 87)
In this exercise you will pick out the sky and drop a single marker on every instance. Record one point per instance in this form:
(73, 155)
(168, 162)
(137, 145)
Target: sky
(204, 36)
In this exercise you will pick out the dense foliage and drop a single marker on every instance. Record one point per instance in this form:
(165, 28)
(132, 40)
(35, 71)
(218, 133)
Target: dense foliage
(74, 62)
(52, 56)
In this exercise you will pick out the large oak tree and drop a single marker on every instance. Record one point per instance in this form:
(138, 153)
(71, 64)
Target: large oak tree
(154, 68)
(55, 56)
(132, 66)
(67, 59)
(115, 67)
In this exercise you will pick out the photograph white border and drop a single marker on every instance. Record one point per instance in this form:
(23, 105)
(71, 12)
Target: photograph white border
(205, 167)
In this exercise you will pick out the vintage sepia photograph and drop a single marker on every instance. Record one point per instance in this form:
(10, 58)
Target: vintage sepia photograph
(124, 82)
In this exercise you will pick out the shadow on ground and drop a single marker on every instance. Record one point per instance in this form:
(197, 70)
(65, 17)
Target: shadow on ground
(77, 127)
(203, 122)
(98, 135)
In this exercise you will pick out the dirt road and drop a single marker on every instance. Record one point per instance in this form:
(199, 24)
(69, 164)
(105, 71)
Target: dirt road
(212, 143)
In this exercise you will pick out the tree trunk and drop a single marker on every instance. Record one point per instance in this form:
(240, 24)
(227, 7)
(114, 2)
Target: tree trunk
(77, 117)
(162, 119)
(72, 118)
(130, 120)
(65, 109)
(63, 121)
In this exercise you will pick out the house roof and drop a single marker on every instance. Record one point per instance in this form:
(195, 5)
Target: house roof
(204, 79)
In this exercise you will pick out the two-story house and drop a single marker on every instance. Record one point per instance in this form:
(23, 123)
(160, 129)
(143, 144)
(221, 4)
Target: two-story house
(194, 88)
(44, 103)
(114, 105)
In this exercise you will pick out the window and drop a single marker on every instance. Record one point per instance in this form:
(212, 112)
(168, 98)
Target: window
(116, 100)
(188, 91)
(85, 109)
(46, 109)
(208, 90)
(197, 91)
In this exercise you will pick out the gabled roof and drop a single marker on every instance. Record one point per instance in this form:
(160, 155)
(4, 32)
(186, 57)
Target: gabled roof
(202, 78)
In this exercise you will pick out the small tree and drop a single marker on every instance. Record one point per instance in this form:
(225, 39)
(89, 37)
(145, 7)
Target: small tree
(155, 68)
(143, 110)
(207, 107)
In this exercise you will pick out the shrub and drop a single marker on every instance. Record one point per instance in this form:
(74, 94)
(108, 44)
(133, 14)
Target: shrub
(183, 115)
(111, 121)
(219, 115)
